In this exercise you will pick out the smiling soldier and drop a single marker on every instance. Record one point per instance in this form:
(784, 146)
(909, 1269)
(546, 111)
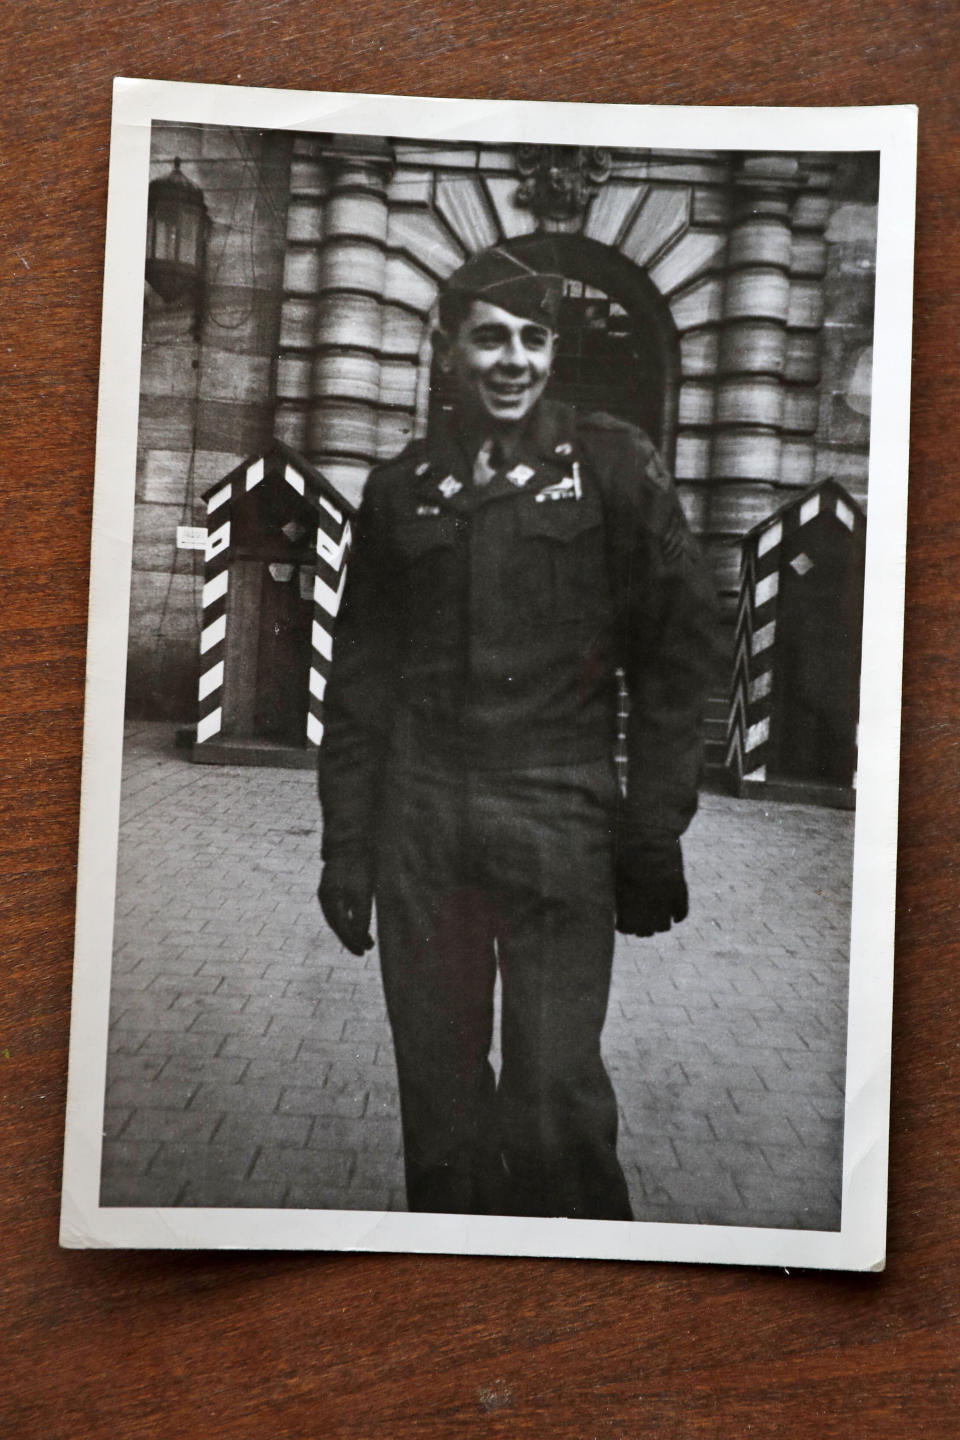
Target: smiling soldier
(504, 570)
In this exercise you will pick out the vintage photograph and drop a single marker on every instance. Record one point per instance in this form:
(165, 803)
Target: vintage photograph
(492, 720)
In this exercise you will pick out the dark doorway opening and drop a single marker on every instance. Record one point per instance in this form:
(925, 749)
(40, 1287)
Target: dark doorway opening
(269, 615)
(268, 651)
(605, 361)
(817, 686)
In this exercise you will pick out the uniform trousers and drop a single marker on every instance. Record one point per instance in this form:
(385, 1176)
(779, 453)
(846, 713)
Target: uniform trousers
(481, 871)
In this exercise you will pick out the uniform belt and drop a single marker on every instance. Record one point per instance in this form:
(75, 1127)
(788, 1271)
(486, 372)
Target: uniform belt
(416, 736)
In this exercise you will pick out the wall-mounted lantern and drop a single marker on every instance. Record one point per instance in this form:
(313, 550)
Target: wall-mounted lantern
(177, 224)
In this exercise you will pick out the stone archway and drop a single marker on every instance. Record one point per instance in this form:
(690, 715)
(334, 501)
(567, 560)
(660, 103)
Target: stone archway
(375, 228)
(717, 256)
(656, 251)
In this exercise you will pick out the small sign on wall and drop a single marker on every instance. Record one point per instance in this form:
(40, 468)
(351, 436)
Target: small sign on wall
(191, 537)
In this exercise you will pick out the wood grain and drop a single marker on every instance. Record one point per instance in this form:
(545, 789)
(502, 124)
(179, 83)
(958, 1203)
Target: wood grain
(170, 1345)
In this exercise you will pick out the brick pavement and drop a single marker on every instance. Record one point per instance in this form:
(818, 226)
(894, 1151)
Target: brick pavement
(250, 1061)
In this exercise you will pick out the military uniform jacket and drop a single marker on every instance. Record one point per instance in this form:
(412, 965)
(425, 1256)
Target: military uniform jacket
(486, 626)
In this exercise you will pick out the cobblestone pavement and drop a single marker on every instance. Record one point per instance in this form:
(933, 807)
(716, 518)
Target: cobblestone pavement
(250, 1061)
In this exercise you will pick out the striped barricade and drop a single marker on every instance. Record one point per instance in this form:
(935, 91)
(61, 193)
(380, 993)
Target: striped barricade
(820, 535)
(324, 524)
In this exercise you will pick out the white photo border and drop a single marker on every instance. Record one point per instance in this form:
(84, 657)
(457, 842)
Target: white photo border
(860, 1242)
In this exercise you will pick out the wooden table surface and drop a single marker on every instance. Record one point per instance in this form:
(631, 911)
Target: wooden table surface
(147, 1344)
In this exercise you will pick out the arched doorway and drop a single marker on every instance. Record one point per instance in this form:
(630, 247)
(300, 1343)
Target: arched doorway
(617, 346)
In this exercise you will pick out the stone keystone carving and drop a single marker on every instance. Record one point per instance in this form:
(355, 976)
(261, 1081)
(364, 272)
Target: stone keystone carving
(558, 180)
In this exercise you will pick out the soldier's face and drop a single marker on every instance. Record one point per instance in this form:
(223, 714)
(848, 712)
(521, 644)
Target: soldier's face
(500, 364)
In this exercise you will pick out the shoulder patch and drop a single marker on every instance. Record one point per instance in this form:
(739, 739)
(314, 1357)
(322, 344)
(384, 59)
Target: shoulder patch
(655, 470)
(676, 539)
(672, 541)
(626, 445)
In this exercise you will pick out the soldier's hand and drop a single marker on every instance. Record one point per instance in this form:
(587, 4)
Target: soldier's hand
(345, 893)
(651, 892)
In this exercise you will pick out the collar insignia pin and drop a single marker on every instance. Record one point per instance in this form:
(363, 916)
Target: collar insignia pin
(422, 468)
(519, 475)
(449, 487)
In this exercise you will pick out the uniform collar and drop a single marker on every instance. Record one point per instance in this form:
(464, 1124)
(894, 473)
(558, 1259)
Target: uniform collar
(444, 471)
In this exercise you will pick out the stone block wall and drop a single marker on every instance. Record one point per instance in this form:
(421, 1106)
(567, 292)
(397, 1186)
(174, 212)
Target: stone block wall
(206, 392)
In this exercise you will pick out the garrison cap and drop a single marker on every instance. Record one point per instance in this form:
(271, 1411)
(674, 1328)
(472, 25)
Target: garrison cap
(530, 285)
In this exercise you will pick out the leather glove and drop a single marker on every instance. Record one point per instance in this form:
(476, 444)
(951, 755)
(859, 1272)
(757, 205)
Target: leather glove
(345, 893)
(651, 893)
